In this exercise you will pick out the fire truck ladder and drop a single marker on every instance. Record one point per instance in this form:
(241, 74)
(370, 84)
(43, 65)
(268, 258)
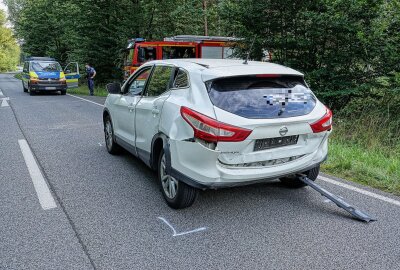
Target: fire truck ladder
(193, 38)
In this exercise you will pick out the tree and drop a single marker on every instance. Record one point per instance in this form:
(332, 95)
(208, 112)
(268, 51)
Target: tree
(9, 49)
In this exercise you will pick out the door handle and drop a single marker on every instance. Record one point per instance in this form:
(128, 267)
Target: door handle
(131, 107)
(155, 111)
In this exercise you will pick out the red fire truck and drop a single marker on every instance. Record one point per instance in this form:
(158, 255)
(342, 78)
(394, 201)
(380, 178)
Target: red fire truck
(140, 51)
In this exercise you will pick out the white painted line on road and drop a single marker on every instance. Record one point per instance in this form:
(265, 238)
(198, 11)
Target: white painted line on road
(182, 233)
(42, 190)
(4, 102)
(86, 100)
(359, 190)
(1, 93)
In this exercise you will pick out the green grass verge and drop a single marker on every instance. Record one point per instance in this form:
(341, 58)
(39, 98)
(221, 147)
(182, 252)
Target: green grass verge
(18, 76)
(375, 165)
(84, 90)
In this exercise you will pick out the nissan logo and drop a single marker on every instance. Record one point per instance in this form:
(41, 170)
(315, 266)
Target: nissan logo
(283, 131)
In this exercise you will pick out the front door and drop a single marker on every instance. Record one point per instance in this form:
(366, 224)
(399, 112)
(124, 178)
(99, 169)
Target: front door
(25, 75)
(72, 75)
(148, 110)
(124, 106)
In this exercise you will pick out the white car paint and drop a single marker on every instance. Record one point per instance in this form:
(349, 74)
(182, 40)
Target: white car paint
(139, 119)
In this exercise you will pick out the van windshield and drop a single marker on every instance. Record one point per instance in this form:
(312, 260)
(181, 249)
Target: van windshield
(45, 66)
(262, 98)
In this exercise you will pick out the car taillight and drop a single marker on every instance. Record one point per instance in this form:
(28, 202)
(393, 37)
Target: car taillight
(325, 123)
(211, 130)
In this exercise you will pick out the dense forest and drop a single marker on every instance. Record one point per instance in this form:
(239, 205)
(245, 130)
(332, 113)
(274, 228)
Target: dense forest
(345, 48)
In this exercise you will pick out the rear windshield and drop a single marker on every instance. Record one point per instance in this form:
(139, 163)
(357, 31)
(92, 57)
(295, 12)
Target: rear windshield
(261, 97)
(45, 66)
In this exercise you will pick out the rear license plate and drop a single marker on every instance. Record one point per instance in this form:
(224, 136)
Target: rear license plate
(50, 88)
(269, 143)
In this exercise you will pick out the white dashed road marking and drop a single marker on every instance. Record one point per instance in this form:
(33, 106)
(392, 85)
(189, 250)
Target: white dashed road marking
(42, 190)
(4, 102)
(98, 104)
(1, 93)
(182, 233)
(361, 191)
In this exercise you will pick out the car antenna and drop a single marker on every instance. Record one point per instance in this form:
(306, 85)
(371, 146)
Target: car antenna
(248, 53)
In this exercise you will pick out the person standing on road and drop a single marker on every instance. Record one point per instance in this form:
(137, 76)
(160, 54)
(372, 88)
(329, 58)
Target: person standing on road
(90, 74)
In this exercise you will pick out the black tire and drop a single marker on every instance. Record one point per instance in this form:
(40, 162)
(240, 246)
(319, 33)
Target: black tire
(63, 92)
(185, 195)
(294, 182)
(25, 89)
(111, 145)
(31, 92)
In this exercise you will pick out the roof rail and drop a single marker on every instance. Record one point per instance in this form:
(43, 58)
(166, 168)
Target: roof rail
(193, 38)
(32, 58)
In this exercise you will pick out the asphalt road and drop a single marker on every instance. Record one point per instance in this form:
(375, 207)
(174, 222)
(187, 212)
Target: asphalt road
(108, 208)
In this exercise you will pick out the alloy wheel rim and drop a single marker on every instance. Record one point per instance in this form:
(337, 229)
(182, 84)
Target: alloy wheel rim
(169, 183)
(108, 134)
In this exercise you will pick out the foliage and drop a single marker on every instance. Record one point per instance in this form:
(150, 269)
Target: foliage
(363, 155)
(344, 48)
(9, 49)
(95, 31)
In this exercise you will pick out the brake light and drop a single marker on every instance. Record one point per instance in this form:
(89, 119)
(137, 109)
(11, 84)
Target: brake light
(325, 123)
(211, 130)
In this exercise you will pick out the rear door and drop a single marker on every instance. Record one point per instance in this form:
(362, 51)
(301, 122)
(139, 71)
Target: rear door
(72, 75)
(148, 109)
(278, 110)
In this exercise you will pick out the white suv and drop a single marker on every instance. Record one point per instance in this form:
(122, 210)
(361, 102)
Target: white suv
(203, 123)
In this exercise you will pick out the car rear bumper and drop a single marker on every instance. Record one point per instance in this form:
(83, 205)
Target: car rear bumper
(199, 166)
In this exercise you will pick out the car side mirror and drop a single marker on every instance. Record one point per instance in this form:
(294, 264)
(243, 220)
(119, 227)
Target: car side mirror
(113, 88)
(67, 71)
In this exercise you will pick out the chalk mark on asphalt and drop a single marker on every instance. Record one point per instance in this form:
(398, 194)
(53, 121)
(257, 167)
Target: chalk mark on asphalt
(181, 233)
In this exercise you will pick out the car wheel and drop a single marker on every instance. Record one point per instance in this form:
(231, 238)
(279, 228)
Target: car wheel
(112, 147)
(63, 92)
(31, 92)
(176, 193)
(294, 182)
(23, 86)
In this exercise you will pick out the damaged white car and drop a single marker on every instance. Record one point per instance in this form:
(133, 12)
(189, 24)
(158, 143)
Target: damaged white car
(205, 123)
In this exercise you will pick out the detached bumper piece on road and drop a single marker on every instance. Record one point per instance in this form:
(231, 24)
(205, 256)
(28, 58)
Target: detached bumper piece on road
(358, 214)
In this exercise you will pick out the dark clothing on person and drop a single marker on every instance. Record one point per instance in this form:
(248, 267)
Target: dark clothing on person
(91, 86)
(89, 74)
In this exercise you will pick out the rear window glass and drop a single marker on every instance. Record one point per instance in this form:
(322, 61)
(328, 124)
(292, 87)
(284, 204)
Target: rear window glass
(262, 98)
